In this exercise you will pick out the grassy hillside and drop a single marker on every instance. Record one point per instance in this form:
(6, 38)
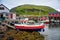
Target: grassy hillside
(32, 10)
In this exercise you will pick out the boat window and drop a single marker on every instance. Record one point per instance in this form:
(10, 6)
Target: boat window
(30, 23)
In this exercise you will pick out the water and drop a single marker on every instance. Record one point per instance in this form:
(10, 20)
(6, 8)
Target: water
(52, 32)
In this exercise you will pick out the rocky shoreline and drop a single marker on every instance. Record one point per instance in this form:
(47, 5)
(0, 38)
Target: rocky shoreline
(22, 35)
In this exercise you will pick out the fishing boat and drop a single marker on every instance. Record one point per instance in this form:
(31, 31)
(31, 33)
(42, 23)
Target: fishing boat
(30, 25)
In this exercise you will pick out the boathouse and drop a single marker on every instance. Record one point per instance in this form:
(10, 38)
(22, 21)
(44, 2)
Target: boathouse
(54, 17)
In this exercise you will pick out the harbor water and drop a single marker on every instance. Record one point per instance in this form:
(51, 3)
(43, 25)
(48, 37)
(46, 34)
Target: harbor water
(52, 32)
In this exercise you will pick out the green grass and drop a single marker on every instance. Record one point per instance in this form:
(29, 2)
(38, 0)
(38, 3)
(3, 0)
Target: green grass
(32, 10)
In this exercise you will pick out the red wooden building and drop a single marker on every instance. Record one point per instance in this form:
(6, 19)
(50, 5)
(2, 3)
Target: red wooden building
(54, 16)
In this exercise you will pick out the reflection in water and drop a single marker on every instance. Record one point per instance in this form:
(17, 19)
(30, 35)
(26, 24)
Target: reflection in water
(52, 32)
(54, 26)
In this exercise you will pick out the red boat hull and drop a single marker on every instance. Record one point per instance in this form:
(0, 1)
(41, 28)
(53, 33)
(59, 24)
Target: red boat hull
(23, 27)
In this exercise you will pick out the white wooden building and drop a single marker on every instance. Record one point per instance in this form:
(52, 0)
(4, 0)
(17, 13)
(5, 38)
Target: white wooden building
(3, 9)
(5, 12)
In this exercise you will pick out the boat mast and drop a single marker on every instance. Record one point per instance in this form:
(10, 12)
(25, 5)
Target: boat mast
(39, 16)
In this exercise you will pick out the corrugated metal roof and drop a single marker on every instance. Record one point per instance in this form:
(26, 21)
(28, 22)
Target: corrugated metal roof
(54, 12)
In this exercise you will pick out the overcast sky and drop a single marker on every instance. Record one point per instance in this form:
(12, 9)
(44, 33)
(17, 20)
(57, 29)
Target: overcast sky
(13, 3)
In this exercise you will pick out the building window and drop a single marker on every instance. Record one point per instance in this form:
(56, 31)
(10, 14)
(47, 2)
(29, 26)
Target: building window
(1, 8)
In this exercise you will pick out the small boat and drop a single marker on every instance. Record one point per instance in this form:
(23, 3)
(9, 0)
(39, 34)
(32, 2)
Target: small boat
(30, 25)
(45, 21)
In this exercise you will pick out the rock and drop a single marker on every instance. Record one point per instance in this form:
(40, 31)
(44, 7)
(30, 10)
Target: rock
(24, 35)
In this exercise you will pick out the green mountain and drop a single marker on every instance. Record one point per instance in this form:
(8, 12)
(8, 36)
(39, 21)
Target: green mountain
(32, 10)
